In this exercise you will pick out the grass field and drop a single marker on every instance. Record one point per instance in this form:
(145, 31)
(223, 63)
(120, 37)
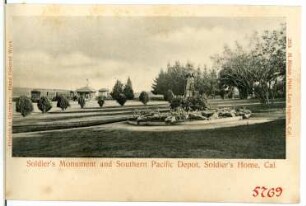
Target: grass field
(264, 141)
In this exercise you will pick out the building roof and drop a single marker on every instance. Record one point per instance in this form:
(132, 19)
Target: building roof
(86, 89)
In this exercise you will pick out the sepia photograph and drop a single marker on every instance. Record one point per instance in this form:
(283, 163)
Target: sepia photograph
(149, 87)
(180, 103)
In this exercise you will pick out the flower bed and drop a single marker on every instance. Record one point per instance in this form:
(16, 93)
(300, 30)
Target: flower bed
(179, 115)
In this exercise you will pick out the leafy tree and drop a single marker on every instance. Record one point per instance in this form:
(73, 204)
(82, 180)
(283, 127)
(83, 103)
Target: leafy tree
(269, 58)
(121, 99)
(101, 100)
(259, 68)
(81, 101)
(62, 102)
(128, 90)
(24, 105)
(117, 90)
(44, 104)
(234, 70)
(144, 97)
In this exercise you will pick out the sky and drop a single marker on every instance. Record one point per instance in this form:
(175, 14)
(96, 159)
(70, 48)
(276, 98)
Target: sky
(63, 52)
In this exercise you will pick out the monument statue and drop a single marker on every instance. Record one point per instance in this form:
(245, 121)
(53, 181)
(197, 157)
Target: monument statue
(190, 89)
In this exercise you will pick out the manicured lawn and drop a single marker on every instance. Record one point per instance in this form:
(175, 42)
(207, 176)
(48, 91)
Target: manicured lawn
(266, 140)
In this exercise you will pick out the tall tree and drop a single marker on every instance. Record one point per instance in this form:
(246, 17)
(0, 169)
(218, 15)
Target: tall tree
(128, 90)
(234, 70)
(174, 79)
(117, 90)
(269, 56)
(213, 83)
(160, 85)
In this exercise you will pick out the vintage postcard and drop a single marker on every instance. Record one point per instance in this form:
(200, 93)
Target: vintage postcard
(152, 103)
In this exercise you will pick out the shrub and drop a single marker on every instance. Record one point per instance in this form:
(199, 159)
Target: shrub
(195, 103)
(121, 99)
(81, 101)
(100, 100)
(189, 104)
(176, 102)
(144, 97)
(24, 105)
(62, 102)
(169, 96)
(44, 104)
